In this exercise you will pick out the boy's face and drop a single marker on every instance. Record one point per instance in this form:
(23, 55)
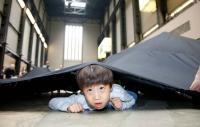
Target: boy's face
(97, 95)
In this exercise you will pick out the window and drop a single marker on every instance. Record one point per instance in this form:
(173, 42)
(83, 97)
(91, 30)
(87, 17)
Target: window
(34, 48)
(39, 53)
(12, 39)
(148, 16)
(15, 15)
(25, 46)
(8, 60)
(1, 5)
(0, 20)
(175, 6)
(73, 43)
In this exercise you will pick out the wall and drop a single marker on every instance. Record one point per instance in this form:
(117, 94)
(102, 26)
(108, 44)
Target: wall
(56, 43)
(129, 22)
(90, 35)
(118, 32)
(1, 5)
(1, 10)
(191, 15)
(17, 34)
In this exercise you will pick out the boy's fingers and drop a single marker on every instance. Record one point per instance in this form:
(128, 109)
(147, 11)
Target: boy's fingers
(116, 103)
(115, 99)
(81, 108)
(73, 108)
(77, 108)
(70, 108)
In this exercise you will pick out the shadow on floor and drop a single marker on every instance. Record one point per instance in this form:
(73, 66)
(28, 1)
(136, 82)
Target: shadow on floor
(40, 103)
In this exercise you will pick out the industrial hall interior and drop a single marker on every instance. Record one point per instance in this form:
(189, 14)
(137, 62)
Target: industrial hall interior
(102, 63)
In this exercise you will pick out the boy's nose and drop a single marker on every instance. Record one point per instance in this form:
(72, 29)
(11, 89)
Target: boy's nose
(97, 95)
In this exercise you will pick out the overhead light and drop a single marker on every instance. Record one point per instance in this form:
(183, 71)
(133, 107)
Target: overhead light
(45, 44)
(30, 16)
(37, 29)
(132, 44)
(181, 7)
(78, 4)
(106, 44)
(142, 3)
(148, 6)
(21, 3)
(42, 38)
(151, 30)
(105, 47)
(40, 35)
(67, 3)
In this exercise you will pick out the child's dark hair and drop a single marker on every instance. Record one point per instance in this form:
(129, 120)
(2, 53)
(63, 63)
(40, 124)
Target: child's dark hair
(94, 74)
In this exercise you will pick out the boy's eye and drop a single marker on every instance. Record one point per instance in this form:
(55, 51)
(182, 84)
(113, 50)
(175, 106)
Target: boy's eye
(101, 88)
(89, 90)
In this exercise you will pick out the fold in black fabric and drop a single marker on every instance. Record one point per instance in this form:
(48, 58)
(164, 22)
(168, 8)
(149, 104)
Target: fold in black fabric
(164, 64)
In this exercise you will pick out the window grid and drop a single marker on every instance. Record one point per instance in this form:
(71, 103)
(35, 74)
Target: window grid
(73, 43)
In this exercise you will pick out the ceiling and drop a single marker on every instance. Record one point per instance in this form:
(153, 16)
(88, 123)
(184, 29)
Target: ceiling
(94, 9)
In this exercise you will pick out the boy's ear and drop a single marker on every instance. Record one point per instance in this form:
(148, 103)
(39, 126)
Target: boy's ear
(81, 92)
(111, 87)
(78, 92)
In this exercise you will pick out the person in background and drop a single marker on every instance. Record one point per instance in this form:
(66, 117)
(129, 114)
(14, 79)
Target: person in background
(10, 71)
(97, 93)
(46, 65)
(59, 68)
(23, 71)
(195, 86)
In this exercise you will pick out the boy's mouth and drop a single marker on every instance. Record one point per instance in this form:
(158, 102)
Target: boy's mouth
(98, 105)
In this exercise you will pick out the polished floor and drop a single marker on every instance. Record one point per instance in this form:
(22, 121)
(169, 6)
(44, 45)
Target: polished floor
(34, 112)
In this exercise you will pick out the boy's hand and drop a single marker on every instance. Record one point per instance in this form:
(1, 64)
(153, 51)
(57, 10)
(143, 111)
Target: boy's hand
(117, 103)
(75, 108)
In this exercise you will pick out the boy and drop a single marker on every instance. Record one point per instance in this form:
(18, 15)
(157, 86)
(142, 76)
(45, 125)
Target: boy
(98, 93)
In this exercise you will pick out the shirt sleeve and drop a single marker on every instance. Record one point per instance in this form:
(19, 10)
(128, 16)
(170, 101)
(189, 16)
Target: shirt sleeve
(62, 103)
(128, 104)
(127, 100)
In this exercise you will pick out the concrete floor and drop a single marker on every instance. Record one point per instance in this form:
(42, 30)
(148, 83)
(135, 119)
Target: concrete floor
(148, 112)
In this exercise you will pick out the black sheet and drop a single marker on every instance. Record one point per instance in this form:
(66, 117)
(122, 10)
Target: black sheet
(164, 65)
